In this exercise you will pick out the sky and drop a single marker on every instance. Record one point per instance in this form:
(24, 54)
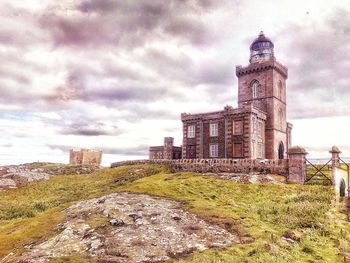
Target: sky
(115, 75)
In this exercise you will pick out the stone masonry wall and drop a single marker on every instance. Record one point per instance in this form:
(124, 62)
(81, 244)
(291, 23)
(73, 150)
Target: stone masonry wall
(219, 165)
(85, 156)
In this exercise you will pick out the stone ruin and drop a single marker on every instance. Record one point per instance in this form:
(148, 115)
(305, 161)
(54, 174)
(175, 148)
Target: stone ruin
(85, 156)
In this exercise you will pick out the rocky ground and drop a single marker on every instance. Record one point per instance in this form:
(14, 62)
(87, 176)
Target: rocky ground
(249, 178)
(125, 227)
(13, 176)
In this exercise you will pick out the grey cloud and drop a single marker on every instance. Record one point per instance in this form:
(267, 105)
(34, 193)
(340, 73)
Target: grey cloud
(129, 24)
(89, 128)
(140, 112)
(216, 74)
(135, 150)
(62, 148)
(7, 145)
(124, 94)
(85, 131)
(19, 28)
(152, 8)
(98, 6)
(318, 66)
(72, 89)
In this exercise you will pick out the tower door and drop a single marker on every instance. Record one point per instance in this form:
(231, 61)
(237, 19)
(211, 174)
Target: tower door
(191, 151)
(342, 188)
(281, 151)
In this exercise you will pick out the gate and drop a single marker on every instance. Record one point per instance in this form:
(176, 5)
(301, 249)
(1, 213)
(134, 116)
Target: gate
(334, 171)
(319, 173)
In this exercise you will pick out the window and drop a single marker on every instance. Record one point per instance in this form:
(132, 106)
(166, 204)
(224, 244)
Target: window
(279, 90)
(255, 89)
(191, 131)
(260, 150)
(191, 151)
(253, 150)
(214, 129)
(237, 127)
(254, 126)
(237, 150)
(260, 128)
(280, 118)
(214, 149)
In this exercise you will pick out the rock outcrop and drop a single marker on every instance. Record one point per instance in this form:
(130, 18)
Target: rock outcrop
(125, 227)
(13, 176)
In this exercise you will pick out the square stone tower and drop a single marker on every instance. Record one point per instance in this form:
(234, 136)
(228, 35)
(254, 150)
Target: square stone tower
(168, 148)
(262, 84)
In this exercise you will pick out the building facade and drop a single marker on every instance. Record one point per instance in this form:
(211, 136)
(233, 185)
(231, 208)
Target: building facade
(167, 151)
(258, 128)
(84, 156)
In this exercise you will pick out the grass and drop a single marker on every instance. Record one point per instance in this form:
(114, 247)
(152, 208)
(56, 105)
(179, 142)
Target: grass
(263, 211)
(259, 214)
(17, 233)
(30, 213)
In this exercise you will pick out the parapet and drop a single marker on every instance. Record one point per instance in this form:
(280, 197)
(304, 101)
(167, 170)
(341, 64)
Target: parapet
(261, 66)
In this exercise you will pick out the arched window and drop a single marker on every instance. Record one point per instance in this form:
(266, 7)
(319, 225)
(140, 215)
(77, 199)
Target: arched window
(342, 188)
(255, 90)
(281, 151)
(279, 90)
(254, 126)
(280, 118)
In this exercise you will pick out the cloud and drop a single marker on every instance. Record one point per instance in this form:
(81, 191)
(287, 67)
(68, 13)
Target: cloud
(86, 127)
(128, 24)
(85, 71)
(136, 150)
(72, 89)
(318, 79)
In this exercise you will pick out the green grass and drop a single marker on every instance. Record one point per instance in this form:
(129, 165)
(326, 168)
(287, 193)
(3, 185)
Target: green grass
(263, 211)
(259, 214)
(15, 234)
(30, 213)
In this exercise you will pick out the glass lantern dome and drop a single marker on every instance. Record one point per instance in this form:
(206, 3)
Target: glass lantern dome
(261, 49)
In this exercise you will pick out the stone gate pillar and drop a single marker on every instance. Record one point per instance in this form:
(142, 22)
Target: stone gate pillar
(335, 156)
(335, 161)
(297, 165)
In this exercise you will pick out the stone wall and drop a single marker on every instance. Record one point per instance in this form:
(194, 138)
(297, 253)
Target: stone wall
(167, 151)
(220, 165)
(85, 156)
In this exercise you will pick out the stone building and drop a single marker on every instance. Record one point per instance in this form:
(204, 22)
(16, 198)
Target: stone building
(168, 151)
(85, 156)
(258, 128)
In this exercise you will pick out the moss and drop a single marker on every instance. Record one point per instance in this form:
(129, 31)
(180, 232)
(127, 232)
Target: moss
(260, 214)
(36, 197)
(31, 213)
(73, 259)
(25, 231)
(98, 221)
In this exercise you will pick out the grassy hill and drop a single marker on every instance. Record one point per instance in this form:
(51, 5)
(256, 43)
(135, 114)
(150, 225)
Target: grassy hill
(275, 223)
